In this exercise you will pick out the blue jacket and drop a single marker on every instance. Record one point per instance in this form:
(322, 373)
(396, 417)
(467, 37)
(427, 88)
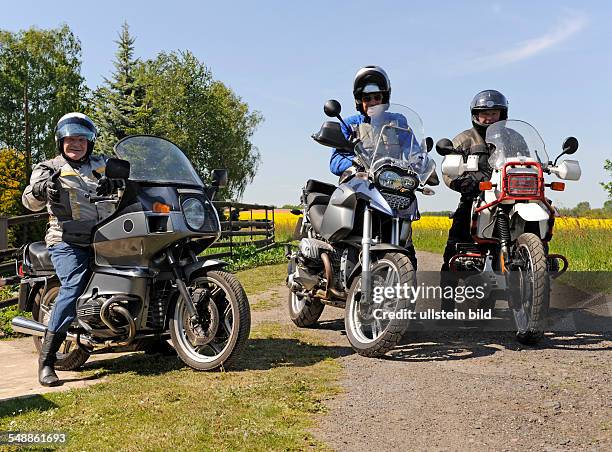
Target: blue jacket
(340, 160)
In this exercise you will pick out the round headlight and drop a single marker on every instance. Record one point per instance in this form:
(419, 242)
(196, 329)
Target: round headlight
(390, 179)
(193, 209)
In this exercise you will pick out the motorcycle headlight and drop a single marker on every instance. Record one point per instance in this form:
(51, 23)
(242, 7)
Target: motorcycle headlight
(390, 179)
(193, 209)
(410, 182)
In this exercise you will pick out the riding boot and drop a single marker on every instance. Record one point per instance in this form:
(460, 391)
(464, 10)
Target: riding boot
(47, 358)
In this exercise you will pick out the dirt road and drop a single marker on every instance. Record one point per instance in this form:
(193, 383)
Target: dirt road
(468, 391)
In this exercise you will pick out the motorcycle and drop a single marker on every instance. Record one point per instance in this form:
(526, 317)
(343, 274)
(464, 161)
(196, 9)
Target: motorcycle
(351, 235)
(146, 277)
(512, 222)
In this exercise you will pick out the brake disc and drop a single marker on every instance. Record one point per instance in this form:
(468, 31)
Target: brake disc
(202, 329)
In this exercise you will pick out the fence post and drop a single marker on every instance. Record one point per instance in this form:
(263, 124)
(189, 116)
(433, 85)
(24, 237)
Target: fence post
(273, 227)
(3, 232)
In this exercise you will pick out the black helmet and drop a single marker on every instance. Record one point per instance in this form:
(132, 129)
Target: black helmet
(75, 124)
(488, 100)
(371, 79)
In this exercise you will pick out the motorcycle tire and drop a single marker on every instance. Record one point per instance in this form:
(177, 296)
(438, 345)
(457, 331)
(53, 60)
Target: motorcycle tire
(530, 320)
(391, 334)
(304, 313)
(236, 299)
(70, 356)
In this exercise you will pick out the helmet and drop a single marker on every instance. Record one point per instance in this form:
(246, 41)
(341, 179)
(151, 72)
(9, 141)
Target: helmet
(371, 79)
(488, 100)
(75, 125)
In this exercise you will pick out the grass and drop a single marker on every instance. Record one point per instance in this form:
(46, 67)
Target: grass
(156, 403)
(260, 279)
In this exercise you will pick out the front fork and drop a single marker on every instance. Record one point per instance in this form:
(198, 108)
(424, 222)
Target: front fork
(180, 284)
(366, 243)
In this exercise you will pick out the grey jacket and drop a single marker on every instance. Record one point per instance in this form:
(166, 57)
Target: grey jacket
(73, 219)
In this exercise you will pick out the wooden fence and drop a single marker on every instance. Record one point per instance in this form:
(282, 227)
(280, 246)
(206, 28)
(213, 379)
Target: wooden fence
(235, 232)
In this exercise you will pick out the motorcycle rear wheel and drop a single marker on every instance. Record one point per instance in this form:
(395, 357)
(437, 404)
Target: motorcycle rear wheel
(234, 316)
(304, 313)
(371, 336)
(69, 356)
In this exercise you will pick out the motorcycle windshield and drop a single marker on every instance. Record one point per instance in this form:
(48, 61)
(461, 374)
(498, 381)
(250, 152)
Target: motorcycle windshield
(515, 140)
(395, 136)
(154, 159)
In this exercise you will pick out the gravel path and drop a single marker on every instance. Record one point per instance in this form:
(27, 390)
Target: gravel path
(467, 391)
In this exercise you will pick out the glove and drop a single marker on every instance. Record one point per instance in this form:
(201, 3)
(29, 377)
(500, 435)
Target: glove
(107, 186)
(48, 189)
(469, 184)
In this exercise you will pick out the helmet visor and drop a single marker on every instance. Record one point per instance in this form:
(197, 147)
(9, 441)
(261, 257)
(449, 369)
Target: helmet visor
(75, 130)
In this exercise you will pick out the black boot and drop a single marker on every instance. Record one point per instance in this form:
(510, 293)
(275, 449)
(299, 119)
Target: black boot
(47, 358)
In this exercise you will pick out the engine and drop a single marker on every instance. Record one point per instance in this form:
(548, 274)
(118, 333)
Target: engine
(309, 269)
(107, 315)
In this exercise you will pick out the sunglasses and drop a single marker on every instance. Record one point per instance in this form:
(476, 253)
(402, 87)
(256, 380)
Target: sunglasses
(368, 97)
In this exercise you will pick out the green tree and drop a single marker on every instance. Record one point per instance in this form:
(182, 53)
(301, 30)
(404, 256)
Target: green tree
(40, 81)
(118, 107)
(608, 185)
(205, 118)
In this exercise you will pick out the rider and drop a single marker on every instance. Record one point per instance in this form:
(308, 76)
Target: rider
(64, 186)
(372, 92)
(487, 107)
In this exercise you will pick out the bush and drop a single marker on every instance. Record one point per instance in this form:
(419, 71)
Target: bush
(246, 257)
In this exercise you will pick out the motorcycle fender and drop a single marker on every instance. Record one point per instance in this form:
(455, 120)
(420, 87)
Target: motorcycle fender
(27, 291)
(381, 248)
(200, 268)
(530, 211)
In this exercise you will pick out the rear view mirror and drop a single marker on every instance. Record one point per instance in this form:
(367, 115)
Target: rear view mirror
(429, 143)
(219, 178)
(331, 135)
(117, 169)
(332, 108)
(570, 145)
(445, 147)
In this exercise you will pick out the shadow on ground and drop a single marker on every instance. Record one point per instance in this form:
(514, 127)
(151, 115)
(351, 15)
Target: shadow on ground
(457, 345)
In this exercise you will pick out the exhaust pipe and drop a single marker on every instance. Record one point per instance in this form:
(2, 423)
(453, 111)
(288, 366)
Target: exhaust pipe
(28, 326)
(34, 328)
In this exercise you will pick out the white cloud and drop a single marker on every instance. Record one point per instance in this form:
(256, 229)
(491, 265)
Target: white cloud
(527, 49)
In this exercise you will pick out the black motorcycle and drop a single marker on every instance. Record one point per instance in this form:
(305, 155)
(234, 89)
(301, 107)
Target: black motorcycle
(147, 279)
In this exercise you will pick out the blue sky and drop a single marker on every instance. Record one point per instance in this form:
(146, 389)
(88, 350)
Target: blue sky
(553, 61)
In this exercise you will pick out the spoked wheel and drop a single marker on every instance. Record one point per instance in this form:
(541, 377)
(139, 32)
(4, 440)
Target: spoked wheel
(69, 356)
(219, 335)
(304, 313)
(370, 327)
(531, 294)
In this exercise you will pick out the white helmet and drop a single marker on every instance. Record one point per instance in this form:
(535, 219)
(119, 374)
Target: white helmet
(75, 125)
(371, 79)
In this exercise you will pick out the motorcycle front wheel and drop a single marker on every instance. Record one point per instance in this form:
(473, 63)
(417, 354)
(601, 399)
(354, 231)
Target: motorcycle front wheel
(376, 327)
(531, 289)
(217, 339)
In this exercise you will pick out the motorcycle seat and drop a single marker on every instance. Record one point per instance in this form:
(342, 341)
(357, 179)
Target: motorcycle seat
(36, 258)
(315, 214)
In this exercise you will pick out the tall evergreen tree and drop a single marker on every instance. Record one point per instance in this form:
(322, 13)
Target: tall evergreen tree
(118, 107)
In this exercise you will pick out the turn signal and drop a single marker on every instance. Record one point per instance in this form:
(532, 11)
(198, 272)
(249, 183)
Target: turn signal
(557, 186)
(158, 207)
(486, 185)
